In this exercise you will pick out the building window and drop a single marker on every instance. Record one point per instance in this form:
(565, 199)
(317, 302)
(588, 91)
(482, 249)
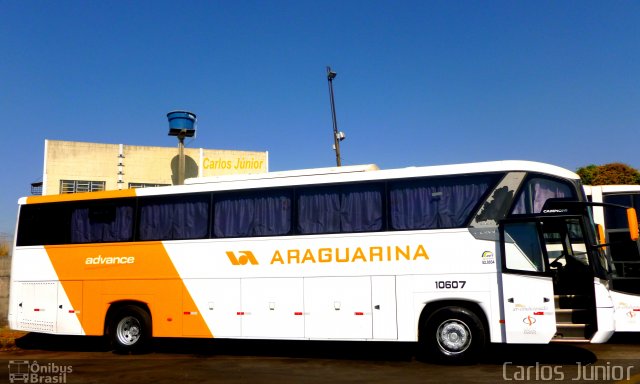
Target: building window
(146, 185)
(76, 186)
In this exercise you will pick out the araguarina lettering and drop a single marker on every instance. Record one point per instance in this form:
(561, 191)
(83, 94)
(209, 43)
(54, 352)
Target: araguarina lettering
(346, 255)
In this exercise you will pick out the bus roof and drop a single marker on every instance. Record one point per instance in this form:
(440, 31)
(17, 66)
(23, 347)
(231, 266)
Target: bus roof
(612, 188)
(313, 176)
(283, 174)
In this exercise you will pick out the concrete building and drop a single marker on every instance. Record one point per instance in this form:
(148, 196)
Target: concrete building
(71, 166)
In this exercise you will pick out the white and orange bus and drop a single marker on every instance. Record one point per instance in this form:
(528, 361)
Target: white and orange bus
(453, 257)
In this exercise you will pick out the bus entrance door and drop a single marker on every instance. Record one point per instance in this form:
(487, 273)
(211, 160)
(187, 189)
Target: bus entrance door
(527, 290)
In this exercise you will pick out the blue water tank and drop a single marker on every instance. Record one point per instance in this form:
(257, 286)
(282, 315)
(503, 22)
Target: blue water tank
(181, 123)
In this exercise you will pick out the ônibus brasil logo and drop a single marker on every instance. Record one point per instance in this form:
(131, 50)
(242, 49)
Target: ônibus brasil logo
(25, 371)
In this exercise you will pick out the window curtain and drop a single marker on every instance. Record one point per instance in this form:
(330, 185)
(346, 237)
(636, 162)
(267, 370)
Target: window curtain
(435, 203)
(267, 214)
(356, 208)
(177, 218)
(101, 224)
(537, 192)
(318, 211)
(361, 209)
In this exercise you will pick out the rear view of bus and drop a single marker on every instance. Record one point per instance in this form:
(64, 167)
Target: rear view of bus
(453, 257)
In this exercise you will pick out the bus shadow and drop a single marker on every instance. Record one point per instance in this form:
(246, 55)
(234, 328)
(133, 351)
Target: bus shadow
(625, 338)
(342, 350)
(495, 354)
(532, 354)
(46, 342)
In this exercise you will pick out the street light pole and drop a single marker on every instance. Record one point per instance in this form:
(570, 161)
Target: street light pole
(181, 162)
(337, 136)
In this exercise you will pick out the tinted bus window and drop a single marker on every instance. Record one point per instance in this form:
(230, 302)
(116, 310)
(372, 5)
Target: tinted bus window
(264, 213)
(42, 224)
(174, 217)
(616, 218)
(436, 202)
(344, 208)
(105, 221)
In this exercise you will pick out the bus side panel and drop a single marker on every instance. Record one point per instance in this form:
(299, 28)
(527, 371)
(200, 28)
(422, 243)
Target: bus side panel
(69, 318)
(113, 273)
(627, 311)
(33, 295)
(162, 297)
(217, 301)
(338, 307)
(273, 308)
(417, 292)
(36, 305)
(383, 301)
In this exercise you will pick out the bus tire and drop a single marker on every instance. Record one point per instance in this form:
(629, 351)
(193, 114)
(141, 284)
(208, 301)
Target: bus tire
(130, 329)
(453, 335)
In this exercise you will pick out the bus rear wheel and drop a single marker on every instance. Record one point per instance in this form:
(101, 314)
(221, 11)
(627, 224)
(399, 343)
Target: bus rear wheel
(130, 329)
(453, 335)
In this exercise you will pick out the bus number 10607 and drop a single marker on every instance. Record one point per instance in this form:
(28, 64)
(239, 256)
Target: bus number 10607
(455, 284)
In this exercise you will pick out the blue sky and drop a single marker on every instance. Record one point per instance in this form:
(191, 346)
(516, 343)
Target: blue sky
(419, 82)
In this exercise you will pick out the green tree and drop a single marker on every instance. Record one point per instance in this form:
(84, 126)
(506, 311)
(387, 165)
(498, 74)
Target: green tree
(612, 173)
(587, 174)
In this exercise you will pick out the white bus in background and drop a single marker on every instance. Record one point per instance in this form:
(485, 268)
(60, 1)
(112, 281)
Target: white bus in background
(623, 252)
(453, 257)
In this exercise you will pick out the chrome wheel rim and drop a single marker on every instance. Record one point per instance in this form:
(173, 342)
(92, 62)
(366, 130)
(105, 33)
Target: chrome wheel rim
(453, 337)
(129, 330)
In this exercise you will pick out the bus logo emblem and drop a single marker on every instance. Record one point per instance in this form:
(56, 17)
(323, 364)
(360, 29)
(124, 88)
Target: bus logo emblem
(488, 258)
(246, 257)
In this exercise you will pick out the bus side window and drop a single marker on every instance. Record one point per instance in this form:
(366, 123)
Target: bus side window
(174, 217)
(262, 213)
(102, 222)
(340, 209)
(616, 218)
(523, 251)
(44, 224)
(433, 203)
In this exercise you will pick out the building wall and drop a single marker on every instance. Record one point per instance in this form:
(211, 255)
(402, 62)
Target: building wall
(78, 161)
(119, 164)
(5, 273)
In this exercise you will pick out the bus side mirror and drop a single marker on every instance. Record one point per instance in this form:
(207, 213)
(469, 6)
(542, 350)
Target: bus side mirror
(632, 218)
(601, 237)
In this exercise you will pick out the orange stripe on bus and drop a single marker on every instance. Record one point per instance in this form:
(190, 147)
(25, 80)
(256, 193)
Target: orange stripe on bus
(93, 279)
(81, 196)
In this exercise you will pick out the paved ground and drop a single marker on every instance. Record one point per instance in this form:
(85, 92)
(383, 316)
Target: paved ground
(87, 360)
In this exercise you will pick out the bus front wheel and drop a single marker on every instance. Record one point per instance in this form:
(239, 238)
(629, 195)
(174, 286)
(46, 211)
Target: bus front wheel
(453, 335)
(130, 329)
